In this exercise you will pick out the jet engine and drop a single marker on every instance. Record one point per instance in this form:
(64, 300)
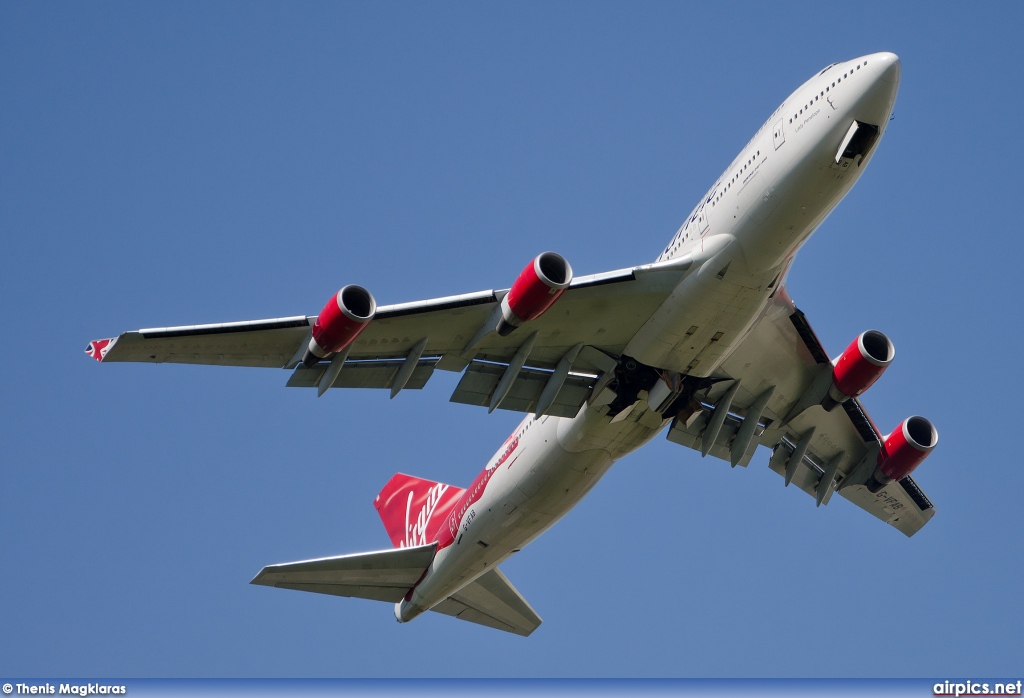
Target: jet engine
(857, 368)
(346, 315)
(905, 448)
(535, 290)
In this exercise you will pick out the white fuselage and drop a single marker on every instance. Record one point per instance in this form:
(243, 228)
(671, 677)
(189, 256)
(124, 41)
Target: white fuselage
(765, 205)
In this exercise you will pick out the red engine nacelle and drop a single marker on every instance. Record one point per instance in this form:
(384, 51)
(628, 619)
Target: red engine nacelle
(346, 315)
(534, 291)
(857, 368)
(905, 448)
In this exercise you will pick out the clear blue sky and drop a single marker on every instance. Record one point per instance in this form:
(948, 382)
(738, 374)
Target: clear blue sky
(181, 163)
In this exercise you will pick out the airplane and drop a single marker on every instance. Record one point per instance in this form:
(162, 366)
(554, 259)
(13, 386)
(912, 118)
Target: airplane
(704, 344)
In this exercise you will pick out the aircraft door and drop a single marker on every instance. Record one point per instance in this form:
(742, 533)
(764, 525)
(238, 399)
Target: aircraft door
(779, 134)
(702, 219)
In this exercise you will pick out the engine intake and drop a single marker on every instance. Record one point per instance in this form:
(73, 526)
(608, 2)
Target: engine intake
(857, 368)
(905, 448)
(344, 316)
(535, 290)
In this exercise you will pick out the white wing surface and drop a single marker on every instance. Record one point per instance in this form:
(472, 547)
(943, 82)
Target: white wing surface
(820, 452)
(602, 310)
(403, 344)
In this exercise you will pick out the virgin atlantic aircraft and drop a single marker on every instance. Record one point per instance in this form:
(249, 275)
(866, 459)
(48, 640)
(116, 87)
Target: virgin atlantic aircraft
(704, 344)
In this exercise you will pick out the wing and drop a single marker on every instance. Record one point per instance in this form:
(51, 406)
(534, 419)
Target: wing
(562, 351)
(779, 363)
(261, 343)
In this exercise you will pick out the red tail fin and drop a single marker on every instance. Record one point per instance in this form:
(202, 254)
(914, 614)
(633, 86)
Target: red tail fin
(413, 509)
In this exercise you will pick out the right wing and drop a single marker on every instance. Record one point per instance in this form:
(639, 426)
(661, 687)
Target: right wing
(603, 310)
(400, 348)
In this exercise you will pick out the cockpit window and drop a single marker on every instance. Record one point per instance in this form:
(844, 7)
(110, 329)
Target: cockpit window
(825, 70)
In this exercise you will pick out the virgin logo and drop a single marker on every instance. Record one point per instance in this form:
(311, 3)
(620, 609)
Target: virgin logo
(416, 531)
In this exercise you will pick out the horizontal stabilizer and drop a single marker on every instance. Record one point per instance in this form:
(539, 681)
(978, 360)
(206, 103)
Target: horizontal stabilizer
(381, 576)
(491, 600)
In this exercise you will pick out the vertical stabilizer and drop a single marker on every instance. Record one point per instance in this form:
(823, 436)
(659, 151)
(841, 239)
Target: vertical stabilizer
(413, 510)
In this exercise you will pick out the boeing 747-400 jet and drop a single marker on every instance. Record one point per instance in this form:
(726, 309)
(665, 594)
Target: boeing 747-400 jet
(703, 344)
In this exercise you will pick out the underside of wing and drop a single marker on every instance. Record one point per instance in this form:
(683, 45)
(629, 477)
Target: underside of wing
(549, 365)
(603, 310)
(381, 576)
(260, 343)
(770, 392)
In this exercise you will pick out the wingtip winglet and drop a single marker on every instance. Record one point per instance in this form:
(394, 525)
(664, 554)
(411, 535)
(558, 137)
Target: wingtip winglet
(98, 348)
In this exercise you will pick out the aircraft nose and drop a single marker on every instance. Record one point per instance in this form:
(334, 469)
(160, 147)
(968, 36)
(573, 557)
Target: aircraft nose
(879, 90)
(887, 66)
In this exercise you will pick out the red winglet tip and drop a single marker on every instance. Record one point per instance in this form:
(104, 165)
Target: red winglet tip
(98, 349)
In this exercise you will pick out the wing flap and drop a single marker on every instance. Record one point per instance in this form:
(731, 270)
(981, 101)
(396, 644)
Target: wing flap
(481, 379)
(384, 575)
(491, 600)
(892, 504)
(691, 437)
(364, 374)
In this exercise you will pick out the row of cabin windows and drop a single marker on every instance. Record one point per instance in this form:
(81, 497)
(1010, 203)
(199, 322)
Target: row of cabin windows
(827, 88)
(480, 484)
(678, 240)
(739, 172)
(486, 479)
(732, 181)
